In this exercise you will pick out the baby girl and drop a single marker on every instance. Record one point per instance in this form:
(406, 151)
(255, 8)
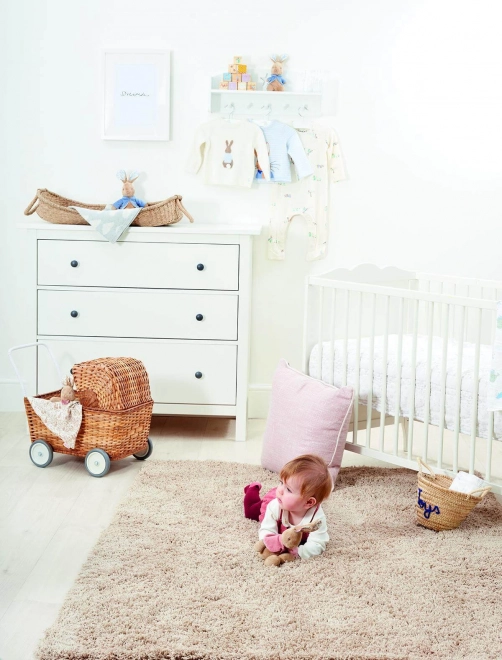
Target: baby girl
(304, 483)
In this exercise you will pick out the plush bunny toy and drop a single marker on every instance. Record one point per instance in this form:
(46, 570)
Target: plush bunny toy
(67, 393)
(275, 81)
(128, 201)
(290, 538)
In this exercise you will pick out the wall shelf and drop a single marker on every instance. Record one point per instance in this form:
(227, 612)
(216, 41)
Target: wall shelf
(259, 102)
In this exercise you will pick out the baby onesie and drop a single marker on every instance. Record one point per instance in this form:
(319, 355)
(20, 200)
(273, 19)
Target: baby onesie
(282, 143)
(226, 151)
(308, 197)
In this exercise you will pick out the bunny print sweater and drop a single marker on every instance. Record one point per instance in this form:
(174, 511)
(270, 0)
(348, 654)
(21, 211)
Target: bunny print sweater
(228, 151)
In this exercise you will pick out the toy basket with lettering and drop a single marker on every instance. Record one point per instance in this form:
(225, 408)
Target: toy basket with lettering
(439, 508)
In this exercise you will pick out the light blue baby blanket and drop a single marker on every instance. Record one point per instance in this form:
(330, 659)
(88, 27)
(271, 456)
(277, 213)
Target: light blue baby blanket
(110, 223)
(494, 394)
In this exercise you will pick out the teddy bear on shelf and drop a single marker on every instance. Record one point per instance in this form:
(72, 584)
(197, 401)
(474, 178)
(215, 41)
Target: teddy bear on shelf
(67, 393)
(128, 201)
(275, 82)
(291, 538)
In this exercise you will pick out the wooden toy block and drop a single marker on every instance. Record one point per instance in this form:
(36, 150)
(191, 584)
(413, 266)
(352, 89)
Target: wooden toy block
(242, 85)
(246, 77)
(238, 59)
(251, 85)
(242, 68)
(227, 76)
(232, 85)
(224, 84)
(233, 68)
(236, 77)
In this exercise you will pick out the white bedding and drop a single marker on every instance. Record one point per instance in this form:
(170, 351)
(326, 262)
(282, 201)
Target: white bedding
(420, 387)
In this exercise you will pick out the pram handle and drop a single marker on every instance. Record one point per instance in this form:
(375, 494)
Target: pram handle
(37, 344)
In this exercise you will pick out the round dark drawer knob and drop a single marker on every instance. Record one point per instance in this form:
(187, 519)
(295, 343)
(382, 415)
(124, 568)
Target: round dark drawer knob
(198, 374)
(199, 317)
(200, 266)
(74, 263)
(74, 313)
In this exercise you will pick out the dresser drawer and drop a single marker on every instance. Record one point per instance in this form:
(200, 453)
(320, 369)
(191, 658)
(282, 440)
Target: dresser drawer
(121, 313)
(171, 368)
(138, 265)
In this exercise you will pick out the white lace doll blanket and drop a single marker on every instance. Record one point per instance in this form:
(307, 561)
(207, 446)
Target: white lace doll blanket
(63, 420)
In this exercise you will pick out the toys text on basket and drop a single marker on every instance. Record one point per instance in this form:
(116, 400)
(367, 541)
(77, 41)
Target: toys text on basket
(428, 508)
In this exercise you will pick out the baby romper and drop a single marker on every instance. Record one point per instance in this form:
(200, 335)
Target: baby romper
(308, 197)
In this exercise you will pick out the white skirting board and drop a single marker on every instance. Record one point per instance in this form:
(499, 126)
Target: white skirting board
(11, 398)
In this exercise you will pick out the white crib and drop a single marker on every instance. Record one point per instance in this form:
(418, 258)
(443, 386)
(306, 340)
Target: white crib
(414, 346)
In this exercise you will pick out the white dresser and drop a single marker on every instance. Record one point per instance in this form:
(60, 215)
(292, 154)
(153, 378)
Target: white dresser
(177, 298)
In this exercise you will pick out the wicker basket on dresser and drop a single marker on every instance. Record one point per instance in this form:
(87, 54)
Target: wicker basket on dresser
(176, 298)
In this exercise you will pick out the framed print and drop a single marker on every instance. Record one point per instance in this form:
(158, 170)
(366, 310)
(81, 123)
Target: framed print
(136, 94)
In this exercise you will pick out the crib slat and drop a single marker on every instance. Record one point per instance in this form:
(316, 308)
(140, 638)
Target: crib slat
(319, 332)
(369, 408)
(398, 375)
(441, 286)
(458, 394)
(489, 441)
(345, 337)
(442, 390)
(383, 400)
(475, 390)
(413, 378)
(430, 323)
(332, 339)
(359, 299)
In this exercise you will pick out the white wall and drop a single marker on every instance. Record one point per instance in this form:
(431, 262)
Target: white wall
(418, 115)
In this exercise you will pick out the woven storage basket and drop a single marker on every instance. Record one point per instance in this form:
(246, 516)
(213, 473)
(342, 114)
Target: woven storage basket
(439, 508)
(54, 208)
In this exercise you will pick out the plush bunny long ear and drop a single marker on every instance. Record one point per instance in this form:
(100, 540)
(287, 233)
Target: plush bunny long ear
(282, 58)
(121, 174)
(133, 175)
(273, 58)
(310, 527)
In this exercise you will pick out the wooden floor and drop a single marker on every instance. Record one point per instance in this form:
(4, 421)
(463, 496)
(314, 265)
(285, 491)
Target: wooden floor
(51, 518)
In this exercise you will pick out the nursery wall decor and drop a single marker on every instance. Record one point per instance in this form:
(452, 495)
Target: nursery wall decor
(136, 94)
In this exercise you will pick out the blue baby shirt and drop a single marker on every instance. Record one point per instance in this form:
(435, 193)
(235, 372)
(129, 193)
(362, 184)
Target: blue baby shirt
(283, 143)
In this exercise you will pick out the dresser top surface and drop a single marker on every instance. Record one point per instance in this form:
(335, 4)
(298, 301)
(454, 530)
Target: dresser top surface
(195, 229)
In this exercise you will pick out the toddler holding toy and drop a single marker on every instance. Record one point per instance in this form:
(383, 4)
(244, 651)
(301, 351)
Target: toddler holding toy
(304, 483)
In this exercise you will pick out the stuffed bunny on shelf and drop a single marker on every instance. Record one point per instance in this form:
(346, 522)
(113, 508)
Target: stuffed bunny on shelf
(275, 81)
(128, 201)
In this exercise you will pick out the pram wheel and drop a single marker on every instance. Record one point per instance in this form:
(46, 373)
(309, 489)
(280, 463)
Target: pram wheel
(97, 462)
(41, 453)
(143, 455)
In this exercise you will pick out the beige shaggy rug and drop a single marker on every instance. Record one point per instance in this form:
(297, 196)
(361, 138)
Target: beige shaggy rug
(175, 576)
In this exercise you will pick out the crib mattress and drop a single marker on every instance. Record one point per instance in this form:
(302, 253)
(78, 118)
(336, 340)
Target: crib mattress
(466, 397)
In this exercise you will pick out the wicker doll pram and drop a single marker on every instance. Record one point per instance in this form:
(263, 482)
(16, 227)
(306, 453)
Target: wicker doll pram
(116, 424)
(55, 208)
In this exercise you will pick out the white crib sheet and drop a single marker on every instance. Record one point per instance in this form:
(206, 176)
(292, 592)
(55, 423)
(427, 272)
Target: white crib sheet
(420, 386)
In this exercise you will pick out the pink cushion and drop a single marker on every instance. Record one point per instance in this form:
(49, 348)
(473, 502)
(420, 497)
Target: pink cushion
(306, 416)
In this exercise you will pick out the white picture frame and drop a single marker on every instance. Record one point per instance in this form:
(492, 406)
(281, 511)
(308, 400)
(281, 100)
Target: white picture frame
(136, 94)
